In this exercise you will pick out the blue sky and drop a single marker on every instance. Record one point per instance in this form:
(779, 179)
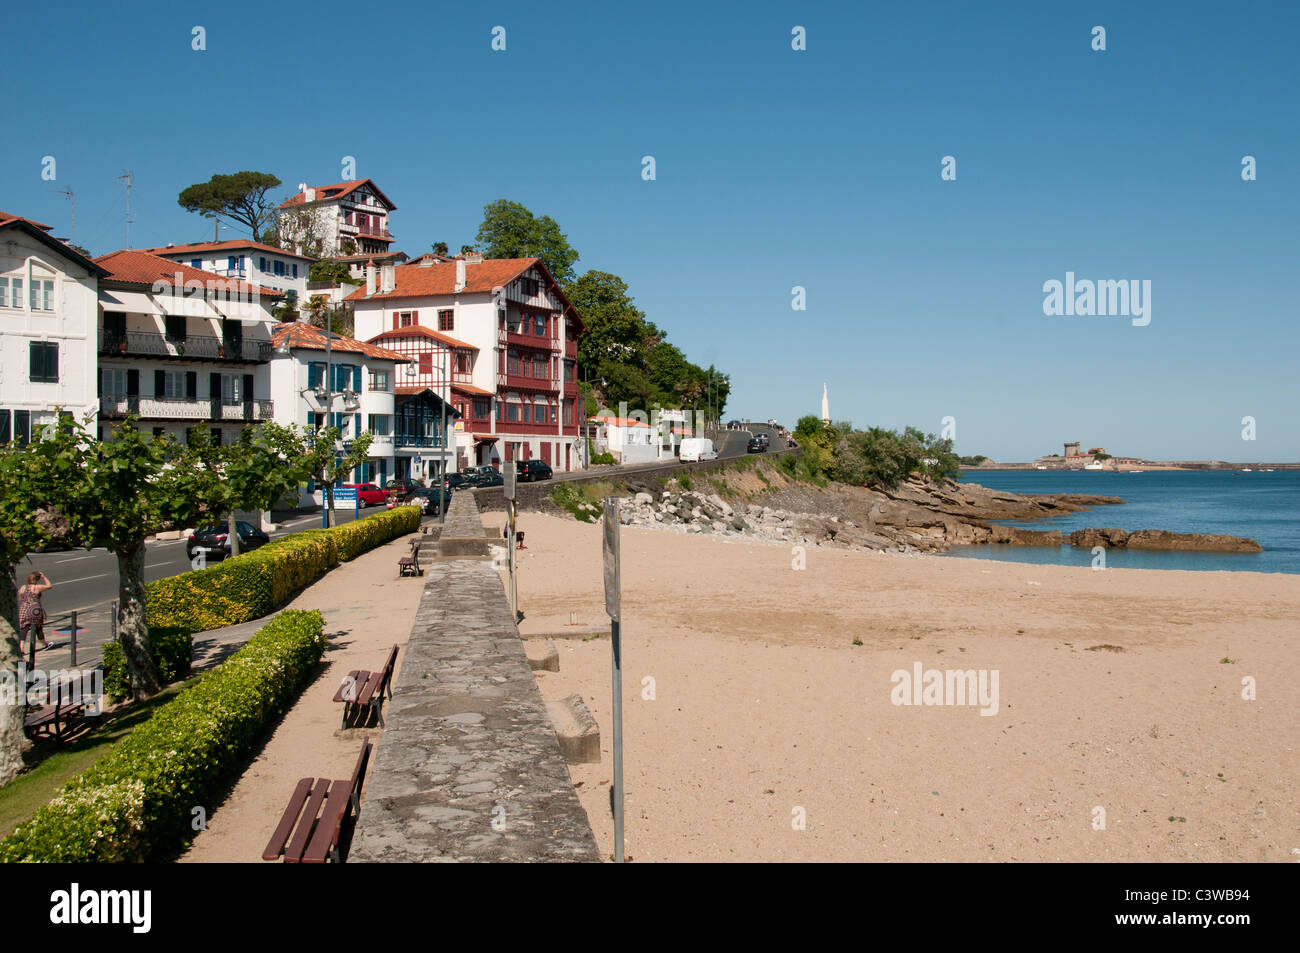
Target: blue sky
(775, 168)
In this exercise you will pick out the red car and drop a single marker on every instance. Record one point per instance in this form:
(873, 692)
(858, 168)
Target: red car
(368, 494)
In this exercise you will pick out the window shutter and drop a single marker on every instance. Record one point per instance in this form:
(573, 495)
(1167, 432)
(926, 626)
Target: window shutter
(159, 384)
(22, 426)
(4, 426)
(248, 387)
(356, 425)
(415, 317)
(394, 320)
(356, 378)
(313, 375)
(191, 385)
(214, 386)
(133, 382)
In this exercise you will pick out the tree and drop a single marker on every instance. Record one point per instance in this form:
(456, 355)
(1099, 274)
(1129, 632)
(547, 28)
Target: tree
(324, 458)
(440, 248)
(617, 331)
(38, 488)
(240, 197)
(510, 230)
(303, 229)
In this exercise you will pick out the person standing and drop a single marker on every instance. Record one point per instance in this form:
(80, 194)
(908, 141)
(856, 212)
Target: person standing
(31, 615)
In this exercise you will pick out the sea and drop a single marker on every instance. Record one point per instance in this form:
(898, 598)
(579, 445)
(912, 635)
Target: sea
(1264, 506)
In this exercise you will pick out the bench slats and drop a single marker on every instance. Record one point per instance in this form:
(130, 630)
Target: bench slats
(293, 854)
(331, 821)
(354, 681)
(275, 846)
(367, 693)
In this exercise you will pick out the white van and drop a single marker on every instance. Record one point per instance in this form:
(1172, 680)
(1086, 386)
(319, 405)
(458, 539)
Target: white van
(694, 449)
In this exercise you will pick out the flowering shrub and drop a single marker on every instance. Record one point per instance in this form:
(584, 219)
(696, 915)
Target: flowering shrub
(251, 585)
(137, 802)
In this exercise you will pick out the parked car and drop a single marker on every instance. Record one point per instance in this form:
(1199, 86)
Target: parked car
(368, 494)
(431, 499)
(530, 470)
(214, 539)
(766, 438)
(491, 478)
(399, 487)
(456, 481)
(694, 449)
(755, 446)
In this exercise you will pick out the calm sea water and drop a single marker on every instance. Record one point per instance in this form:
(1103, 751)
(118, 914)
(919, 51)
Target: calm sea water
(1263, 506)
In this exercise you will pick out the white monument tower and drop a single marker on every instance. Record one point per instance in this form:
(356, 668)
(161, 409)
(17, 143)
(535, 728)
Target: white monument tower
(826, 405)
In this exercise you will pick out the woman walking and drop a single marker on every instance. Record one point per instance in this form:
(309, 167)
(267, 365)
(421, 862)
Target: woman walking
(31, 615)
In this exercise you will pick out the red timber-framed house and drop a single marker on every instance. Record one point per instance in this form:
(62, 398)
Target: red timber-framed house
(499, 339)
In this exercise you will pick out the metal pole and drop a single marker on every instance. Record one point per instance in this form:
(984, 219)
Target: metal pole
(73, 647)
(510, 558)
(442, 510)
(616, 663)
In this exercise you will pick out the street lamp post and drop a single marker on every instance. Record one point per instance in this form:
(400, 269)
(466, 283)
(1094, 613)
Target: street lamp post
(446, 437)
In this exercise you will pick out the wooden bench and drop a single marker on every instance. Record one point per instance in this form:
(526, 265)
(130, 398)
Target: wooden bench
(317, 824)
(56, 718)
(364, 691)
(410, 565)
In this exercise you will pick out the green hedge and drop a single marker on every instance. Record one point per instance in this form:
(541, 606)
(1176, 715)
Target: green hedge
(137, 802)
(172, 650)
(251, 585)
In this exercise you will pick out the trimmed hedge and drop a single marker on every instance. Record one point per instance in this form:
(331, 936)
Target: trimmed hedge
(136, 803)
(172, 650)
(253, 584)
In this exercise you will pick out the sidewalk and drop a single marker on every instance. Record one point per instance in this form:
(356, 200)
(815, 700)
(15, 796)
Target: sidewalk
(367, 610)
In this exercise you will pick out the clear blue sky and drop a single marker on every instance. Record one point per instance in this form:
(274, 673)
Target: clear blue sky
(775, 168)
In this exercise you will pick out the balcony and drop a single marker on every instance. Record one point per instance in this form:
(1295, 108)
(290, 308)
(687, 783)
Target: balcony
(155, 408)
(366, 231)
(571, 349)
(525, 382)
(199, 348)
(531, 341)
(403, 440)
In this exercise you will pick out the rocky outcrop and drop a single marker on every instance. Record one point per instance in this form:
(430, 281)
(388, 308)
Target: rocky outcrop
(1163, 540)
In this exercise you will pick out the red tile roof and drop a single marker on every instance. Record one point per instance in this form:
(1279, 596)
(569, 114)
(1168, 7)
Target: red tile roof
(5, 218)
(340, 189)
(312, 338)
(417, 330)
(141, 268)
(420, 281)
(231, 245)
(471, 390)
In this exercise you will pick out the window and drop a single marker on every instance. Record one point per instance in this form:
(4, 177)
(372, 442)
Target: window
(482, 408)
(295, 269)
(196, 262)
(174, 328)
(568, 411)
(406, 318)
(568, 370)
(463, 362)
(44, 364)
(173, 386)
(11, 292)
(528, 286)
(540, 369)
(112, 381)
(539, 325)
(279, 268)
(447, 320)
(230, 263)
(512, 412)
(261, 263)
(232, 388)
(42, 294)
(512, 362)
(380, 424)
(379, 380)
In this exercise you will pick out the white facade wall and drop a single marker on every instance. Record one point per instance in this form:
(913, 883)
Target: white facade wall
(258, 267)
(69, 324)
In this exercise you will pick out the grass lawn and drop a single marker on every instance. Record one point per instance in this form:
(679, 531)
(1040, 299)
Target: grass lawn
(20, 798)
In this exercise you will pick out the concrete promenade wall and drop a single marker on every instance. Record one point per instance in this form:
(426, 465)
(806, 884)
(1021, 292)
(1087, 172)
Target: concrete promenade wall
(468, 767)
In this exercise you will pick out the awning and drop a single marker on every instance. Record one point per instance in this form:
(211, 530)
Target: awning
(485, 438)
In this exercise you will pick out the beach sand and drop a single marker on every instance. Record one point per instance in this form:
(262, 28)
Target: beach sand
(764, 711)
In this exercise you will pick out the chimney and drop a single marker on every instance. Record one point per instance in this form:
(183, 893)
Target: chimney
(370, 278)
(460, 274)
(387, 278)
(309, 195)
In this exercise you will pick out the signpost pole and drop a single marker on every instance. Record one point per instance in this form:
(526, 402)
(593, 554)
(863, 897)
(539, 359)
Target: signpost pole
(613, 587)
(508, 490)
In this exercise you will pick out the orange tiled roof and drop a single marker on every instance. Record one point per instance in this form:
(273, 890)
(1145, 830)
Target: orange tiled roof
(132, 267)
(471, 390)
(421, 281)
(5, 217)
(233, 244)
(418, 330)
(301, 334)
(340, 189)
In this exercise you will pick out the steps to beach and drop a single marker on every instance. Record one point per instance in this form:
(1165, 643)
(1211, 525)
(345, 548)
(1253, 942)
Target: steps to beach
(542, 654)
(576, 729)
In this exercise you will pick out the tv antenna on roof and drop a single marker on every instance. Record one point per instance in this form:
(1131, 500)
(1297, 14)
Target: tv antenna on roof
(68, 192)
(126, 177)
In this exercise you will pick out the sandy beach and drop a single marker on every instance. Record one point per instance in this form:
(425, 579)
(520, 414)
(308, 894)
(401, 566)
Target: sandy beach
(1120, 732)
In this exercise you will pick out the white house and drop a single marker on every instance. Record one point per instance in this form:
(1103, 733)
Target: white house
(47, 328)
(181, 347)
(345, 218)
(349, 385)
(263, 265)
(503, 348)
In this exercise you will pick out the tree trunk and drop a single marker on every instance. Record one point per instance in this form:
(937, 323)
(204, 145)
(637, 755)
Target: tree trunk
(13, 682)
(329, 497)
(132, 632)
(232, 534)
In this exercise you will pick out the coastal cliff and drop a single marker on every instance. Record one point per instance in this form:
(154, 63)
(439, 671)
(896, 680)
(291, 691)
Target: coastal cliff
(918, 516)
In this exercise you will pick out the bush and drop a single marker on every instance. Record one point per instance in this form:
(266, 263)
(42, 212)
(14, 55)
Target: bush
(172, 650)
(251, 585)
(605, 457)
(136, 803)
